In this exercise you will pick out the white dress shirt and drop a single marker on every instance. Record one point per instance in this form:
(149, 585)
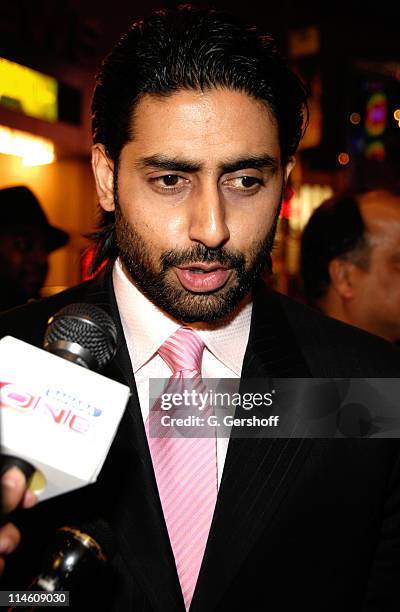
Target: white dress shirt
(146, 327)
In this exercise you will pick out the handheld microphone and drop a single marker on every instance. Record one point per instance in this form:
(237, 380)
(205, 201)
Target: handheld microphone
(50, 406)
(75, 557)
(81, 333)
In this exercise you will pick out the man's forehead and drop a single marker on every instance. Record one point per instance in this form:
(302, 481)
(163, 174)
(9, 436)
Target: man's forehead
(380, 211)
(380, 205)
(184, 123)
(215, 115)
(380, 197)
(204, 99)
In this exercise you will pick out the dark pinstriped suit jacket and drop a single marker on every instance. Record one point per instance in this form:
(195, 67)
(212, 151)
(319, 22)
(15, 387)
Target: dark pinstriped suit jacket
(297, 522)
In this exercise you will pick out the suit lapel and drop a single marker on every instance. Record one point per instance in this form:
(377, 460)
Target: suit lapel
(135, 514)
(257, 472)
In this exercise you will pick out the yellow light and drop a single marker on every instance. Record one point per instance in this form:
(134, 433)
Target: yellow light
(396, 114)
(343, 159)
(33, 150)
(28, 91)
(355, 118)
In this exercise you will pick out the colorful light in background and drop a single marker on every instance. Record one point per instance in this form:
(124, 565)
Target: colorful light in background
(33, 150)
(86, 263)
(355, 118)
(376, 114)
(343, 158)
(375, 150)
(28, 91)
(304, 202)
(297, 208)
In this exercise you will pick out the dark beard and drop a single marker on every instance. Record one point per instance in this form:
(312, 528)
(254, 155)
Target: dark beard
(178, 302)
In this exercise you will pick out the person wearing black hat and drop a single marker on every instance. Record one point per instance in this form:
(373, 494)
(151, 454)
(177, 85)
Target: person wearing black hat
(26, 239)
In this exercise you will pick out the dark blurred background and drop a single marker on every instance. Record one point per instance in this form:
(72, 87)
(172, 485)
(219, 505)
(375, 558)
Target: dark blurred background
(348, 54)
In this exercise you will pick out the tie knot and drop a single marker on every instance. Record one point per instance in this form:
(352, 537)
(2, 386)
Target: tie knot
(183, 351)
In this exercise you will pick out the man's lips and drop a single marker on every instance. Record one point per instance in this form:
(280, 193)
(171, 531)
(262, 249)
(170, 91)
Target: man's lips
(202, 277)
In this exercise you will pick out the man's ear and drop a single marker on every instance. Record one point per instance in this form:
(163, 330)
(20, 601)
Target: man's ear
(103, 170)
(341, 273)
(288, 168)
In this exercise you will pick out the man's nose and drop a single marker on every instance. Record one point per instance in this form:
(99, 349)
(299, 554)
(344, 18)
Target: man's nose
(207, 223)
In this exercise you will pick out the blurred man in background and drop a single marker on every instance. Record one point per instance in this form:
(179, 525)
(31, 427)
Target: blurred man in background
(350, 261)
(26, 239)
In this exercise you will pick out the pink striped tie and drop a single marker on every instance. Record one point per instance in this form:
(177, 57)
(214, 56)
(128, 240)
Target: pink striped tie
(185, 469)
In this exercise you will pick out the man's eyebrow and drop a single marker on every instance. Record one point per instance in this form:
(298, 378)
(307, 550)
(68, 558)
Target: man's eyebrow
(258, 162)
(163, 162)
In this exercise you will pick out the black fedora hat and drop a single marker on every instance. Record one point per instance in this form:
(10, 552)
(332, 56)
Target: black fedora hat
(20, 207)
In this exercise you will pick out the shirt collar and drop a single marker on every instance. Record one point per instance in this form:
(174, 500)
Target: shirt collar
(228, 342)
(146, 327)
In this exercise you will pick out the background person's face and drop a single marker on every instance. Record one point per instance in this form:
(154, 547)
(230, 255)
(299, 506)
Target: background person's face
(23, 262)
(376, 303)
(198, 191)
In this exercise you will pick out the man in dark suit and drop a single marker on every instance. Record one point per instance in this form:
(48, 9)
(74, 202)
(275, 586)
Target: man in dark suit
(349, 261)
(196, 121)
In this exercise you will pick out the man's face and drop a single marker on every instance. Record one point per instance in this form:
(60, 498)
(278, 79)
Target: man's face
(376, 303)
(23, 261)
(198, 191)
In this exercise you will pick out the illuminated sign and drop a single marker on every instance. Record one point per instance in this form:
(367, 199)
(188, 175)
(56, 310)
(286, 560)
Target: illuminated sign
(28, 91)
(33, 150)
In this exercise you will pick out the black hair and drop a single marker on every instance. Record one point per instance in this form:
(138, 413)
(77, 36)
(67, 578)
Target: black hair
(189, 48)
(335, 229)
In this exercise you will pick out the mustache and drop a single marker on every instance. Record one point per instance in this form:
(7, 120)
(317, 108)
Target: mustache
(202, 254)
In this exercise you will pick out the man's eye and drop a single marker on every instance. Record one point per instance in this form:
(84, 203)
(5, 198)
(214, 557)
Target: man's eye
(250, 181)
(244, 182)
(170, 180)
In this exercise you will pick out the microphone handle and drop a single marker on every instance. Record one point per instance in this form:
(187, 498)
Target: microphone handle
(74, 558)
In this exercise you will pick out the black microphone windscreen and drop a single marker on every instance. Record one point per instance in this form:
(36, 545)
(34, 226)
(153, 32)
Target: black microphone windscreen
(86, 326)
